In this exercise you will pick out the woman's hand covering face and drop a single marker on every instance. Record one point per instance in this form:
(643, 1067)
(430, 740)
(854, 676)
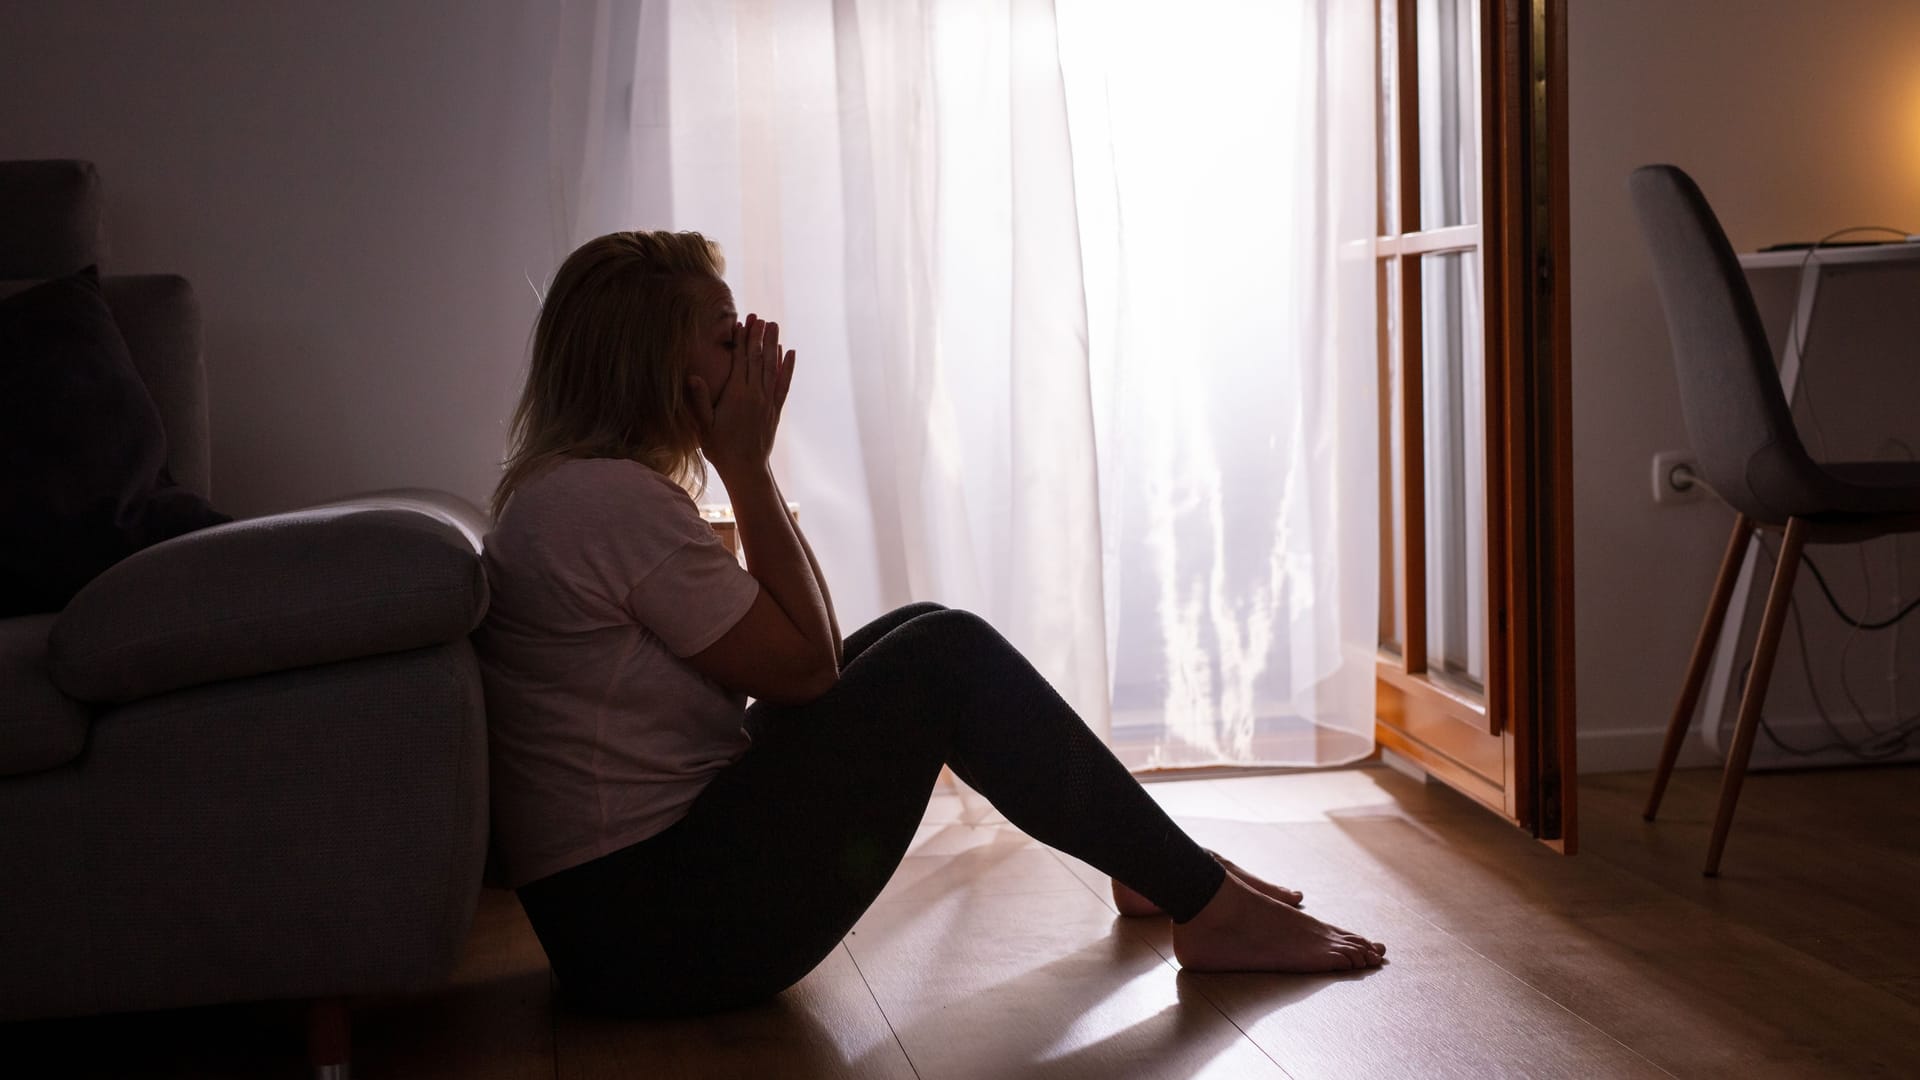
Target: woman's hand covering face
(737, 426)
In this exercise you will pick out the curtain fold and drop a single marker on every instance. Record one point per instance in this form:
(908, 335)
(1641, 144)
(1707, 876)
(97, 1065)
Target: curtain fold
(1082, 294)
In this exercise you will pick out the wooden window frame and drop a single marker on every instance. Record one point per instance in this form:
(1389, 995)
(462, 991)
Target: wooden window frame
(1511, 748)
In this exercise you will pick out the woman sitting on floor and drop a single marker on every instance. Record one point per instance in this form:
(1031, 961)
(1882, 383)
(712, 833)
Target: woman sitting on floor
(675, 850)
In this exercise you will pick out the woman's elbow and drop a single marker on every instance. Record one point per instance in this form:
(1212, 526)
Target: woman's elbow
(806, 687)
(824, 678)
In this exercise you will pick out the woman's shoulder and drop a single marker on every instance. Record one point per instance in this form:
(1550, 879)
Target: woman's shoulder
(596, 479)
(596, 493)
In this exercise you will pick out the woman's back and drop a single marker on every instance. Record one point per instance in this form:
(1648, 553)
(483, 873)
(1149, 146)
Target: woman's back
(602, 576)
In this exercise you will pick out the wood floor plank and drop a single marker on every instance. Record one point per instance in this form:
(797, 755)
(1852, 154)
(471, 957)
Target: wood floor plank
(490, 1019)
(991, 956)
(827, 1026)
(1693, 991)
(1861, 803)
(1794, 869)
(1095, 882)
(1437, 1009)
(1464, 874)
(1351, 792)
(1904, 987)
(1655, 961)
(1042, 985)
(1209, 798)
(252, 1039)
(1701, 996)
(978, 859)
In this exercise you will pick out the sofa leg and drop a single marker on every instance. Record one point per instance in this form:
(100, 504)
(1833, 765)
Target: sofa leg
(327, 1039)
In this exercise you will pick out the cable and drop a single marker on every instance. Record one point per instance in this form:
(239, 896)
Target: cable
(1893, 643)
(1853, 635)
(1895, 740)
(1842, 612)
(1879, 744)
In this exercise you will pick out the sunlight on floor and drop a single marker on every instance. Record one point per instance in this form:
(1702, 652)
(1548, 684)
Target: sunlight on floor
(1292, 797)
(1321, 795)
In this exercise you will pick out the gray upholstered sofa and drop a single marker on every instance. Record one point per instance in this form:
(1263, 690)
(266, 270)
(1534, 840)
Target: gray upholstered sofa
(249, 762)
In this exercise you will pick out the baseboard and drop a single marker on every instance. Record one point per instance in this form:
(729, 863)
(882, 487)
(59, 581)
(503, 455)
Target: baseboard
(1637, 749)
(1403, 765)
(1634, 750)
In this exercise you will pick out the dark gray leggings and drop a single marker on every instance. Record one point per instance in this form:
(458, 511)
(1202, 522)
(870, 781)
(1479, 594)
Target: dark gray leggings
(787, 847)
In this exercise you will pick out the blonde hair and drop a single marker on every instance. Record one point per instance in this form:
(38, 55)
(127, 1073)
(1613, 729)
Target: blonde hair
(611, 355)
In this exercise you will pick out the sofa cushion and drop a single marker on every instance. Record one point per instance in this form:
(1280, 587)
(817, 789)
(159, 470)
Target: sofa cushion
(40, 727)
(83, 480)
(159, 316)
(268, 594)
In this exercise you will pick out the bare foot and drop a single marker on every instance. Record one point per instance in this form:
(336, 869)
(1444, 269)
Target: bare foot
(1242, 929)
(1132, 903)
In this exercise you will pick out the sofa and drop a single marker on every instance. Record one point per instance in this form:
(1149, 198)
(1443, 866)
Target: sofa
(249, 762)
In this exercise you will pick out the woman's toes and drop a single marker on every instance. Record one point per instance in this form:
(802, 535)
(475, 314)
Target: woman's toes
(1371, 952)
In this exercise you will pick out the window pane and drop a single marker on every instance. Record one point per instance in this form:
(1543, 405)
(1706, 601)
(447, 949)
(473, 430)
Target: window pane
(1452, 363)
(1449, 75)
(1388, 139)
(1393, 583)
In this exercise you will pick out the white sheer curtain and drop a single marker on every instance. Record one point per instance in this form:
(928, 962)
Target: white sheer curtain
(1226, 169)
(1084, 309)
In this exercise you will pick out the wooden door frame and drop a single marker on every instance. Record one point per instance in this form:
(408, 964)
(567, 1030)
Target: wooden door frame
(1515, 751)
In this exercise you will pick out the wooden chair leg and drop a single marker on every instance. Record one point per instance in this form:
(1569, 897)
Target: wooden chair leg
(1779, 599)
(1703, 646)
(327, 1039)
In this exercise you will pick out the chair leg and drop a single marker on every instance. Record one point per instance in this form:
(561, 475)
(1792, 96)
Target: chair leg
(1702, 655)
(327, 1039)
(1779, 599)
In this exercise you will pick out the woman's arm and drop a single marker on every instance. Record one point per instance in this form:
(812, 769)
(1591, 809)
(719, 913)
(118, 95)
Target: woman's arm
(786, 649)
(779, 557)
(819, 579)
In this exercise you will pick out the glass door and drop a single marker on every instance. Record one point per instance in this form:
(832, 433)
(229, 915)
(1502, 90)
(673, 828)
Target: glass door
(1464, 176)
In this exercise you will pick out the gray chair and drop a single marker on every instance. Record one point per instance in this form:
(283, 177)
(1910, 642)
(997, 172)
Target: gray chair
(248, 763)
(1750, 454)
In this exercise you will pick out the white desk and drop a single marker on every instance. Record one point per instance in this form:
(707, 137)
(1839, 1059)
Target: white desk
(1830, 256)
(1854, 314)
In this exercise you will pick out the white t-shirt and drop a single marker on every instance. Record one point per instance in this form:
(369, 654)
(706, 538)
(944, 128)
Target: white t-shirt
(603, 577)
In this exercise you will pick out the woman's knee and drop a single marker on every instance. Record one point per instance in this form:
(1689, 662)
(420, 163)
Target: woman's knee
(897, 618)
(956, 627)
(858, 642)
(934, 652)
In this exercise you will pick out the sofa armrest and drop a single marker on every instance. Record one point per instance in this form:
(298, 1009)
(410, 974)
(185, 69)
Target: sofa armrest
(336, 582)
(472, 522)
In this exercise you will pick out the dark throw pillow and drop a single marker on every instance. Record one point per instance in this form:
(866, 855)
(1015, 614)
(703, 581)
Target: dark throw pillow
(83, 479)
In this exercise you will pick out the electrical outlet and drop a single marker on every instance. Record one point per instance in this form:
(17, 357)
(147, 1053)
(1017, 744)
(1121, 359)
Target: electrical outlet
(1676, 478)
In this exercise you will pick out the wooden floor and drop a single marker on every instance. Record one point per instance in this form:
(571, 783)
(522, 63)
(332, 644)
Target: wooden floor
(991, 956)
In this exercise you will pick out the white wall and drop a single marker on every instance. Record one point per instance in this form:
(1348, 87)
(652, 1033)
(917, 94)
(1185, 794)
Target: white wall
(357, 191)
(1796, 119)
